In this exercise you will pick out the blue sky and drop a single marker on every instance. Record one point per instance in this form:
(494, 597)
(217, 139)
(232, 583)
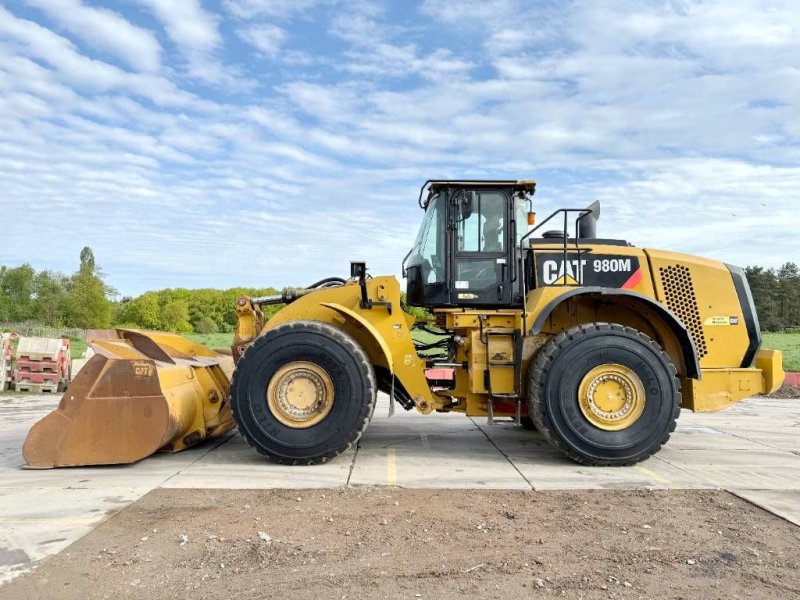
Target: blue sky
(194, 143)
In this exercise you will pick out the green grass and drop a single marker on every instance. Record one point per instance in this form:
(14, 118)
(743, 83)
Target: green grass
(77, 348)
(789, 344)
(215, 341)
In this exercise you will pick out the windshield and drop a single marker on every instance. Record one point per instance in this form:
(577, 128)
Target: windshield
(431, 215)
(428, 250)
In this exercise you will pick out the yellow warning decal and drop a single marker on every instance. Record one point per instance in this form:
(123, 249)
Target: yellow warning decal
(721, 321)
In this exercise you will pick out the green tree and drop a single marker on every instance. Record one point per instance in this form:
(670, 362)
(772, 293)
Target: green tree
(143, 311)
(86, 304)
(764, 286)
(17, 290)
(206, 325)
(788, 294)
(147, 310)
(50, 291)
(175, 317)
(87, 259)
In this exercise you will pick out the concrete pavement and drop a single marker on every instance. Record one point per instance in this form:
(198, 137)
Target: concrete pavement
(751, 449)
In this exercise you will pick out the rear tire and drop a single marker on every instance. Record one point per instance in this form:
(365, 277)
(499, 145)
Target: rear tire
(343, 365)
(557, 392)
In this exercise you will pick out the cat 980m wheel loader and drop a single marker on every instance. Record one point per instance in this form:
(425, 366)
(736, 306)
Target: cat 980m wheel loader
(595, 342)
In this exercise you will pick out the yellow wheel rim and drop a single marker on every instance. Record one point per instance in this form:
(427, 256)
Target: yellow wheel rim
(300, 394)
(611, 397)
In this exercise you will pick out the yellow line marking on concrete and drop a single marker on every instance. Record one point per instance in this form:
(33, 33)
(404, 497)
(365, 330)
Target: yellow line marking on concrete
(391, 467)
(655, 476)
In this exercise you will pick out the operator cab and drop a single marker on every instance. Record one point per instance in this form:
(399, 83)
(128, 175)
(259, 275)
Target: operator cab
(466, 251)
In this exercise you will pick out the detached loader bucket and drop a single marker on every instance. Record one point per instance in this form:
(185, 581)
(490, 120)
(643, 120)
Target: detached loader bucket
(141, 392)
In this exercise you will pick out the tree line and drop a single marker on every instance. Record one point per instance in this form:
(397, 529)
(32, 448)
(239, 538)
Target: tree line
(83, 300)
(776, 293)
(186, 311)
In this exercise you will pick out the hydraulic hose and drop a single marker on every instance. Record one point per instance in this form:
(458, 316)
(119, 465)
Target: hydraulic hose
(326, 282)
(292, 294)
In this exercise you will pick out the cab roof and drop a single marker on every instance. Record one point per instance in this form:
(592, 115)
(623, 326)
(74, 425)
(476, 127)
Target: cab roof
(433, 185)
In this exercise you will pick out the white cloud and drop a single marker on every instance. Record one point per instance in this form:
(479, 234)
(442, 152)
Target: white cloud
(476, 11)
(379, 50)
(105, 30)
(248, 9)
(79, 71)
(43, 44)
(196, 34)
(186, 23)
(726, 209)
(264, 37)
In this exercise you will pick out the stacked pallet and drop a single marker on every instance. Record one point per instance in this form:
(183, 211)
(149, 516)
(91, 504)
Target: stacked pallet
(42, 365)
(6, 356)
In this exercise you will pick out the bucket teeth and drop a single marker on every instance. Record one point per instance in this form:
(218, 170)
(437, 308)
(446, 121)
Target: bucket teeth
(140, 393)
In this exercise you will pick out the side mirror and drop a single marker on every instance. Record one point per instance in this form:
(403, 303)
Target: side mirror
(463, 201)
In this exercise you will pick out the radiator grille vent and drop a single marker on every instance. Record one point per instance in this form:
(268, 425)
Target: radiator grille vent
(681, 299)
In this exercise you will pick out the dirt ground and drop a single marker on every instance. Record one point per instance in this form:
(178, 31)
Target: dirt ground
(393, 543)
(786, 391)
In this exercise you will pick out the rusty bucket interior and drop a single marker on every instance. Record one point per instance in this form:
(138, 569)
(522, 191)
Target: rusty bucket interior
(142, 392)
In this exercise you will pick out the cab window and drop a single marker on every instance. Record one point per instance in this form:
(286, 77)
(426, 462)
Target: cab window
(481, 222)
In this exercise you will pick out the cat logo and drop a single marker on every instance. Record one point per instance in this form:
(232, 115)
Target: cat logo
(561, 272)
(142, 368)
(588, 269)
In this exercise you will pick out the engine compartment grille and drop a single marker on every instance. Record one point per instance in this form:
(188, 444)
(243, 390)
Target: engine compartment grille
(681, 299)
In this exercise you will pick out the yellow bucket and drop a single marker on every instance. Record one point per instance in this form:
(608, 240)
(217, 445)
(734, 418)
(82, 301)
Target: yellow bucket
(142, 392)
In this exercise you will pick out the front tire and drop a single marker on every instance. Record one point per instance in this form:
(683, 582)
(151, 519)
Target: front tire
(303, 393)
(604, 394)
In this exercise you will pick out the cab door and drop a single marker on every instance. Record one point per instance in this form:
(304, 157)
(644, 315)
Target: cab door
(481, 268)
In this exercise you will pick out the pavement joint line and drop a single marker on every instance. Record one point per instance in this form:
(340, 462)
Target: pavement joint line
(741, 437)
(704, 479)
(209, 449)
(352, 465)
(496, 447)
(764, 508)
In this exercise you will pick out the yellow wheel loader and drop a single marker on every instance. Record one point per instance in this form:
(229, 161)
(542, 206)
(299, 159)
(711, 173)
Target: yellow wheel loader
(594, 342)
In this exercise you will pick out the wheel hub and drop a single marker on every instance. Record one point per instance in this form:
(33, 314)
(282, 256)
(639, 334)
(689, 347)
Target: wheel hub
(300, 394)
(611, 397)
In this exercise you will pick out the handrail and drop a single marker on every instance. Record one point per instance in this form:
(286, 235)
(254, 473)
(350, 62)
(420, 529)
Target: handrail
(582, 214)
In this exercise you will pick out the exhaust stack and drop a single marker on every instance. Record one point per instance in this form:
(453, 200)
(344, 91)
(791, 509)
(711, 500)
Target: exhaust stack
(587, 224)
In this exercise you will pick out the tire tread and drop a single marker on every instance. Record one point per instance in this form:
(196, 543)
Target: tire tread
(537, 407)
(344, 340)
